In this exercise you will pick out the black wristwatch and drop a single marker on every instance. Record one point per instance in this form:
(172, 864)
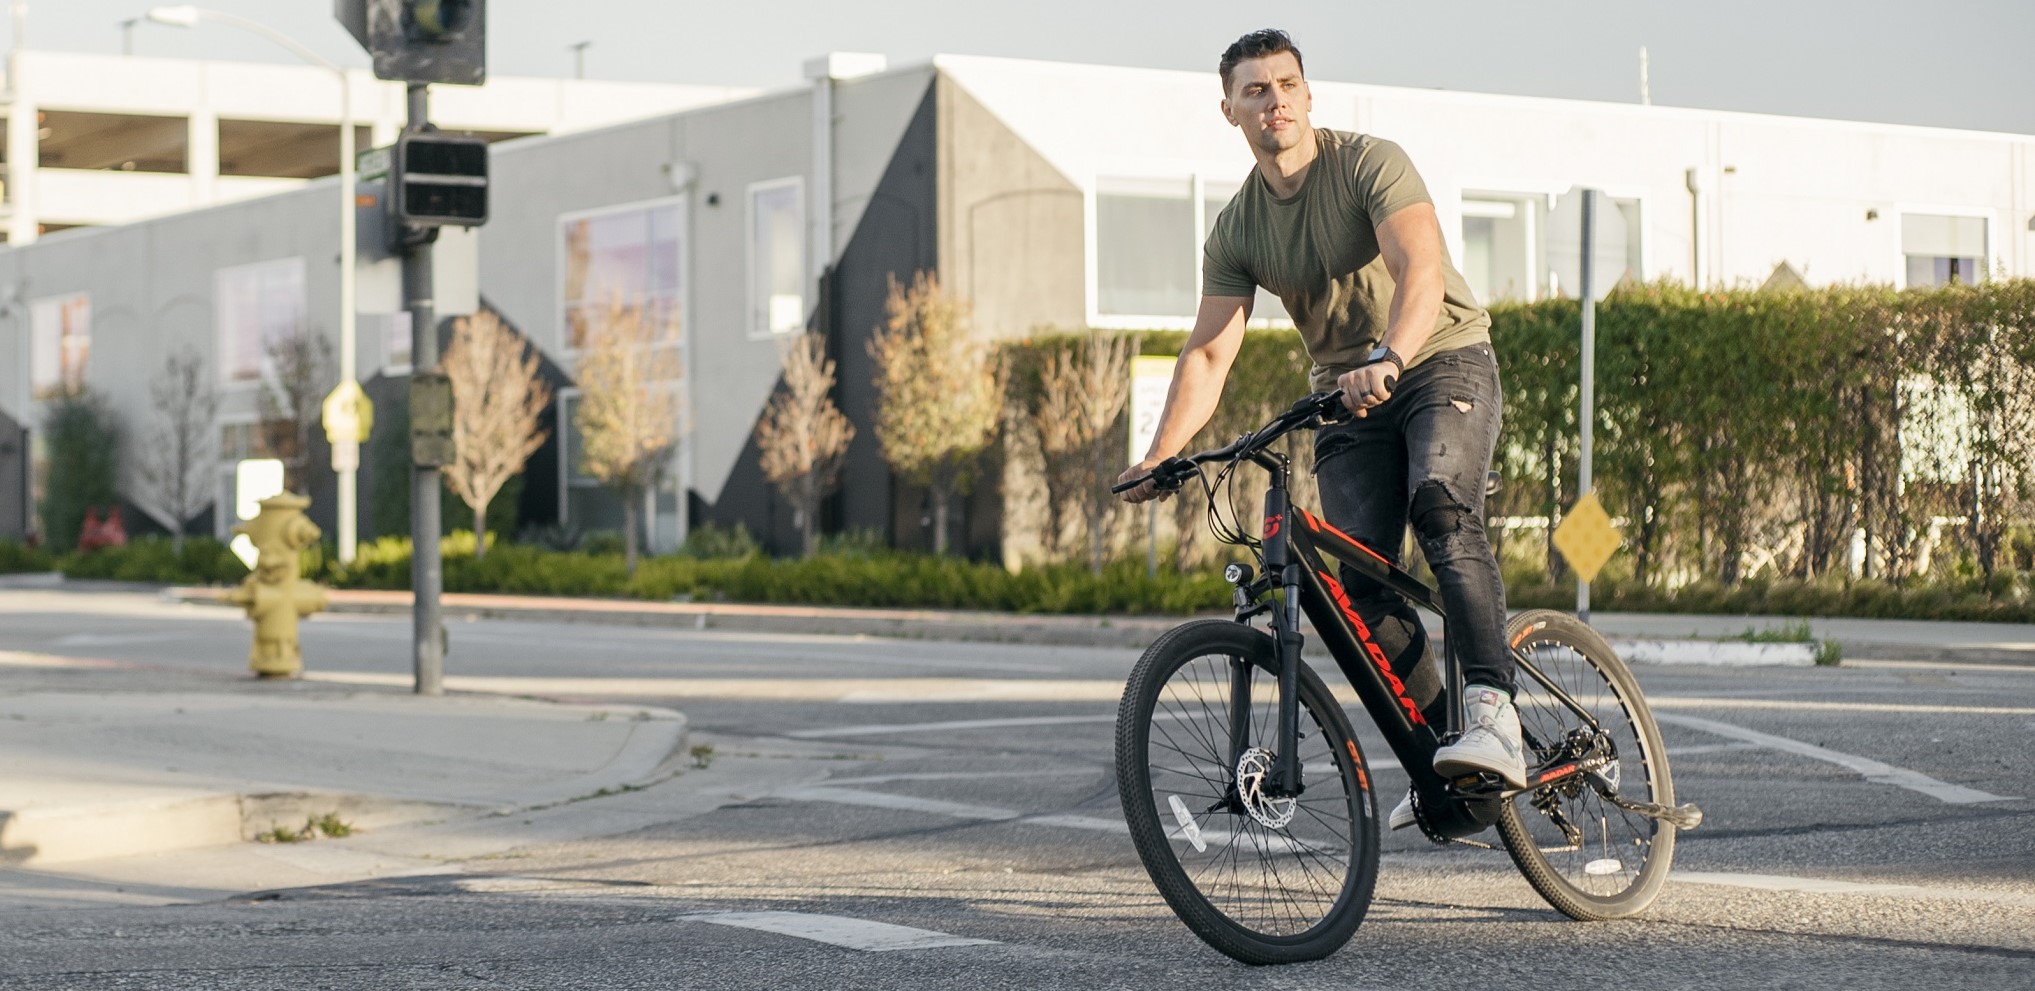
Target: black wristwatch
(1383, 353)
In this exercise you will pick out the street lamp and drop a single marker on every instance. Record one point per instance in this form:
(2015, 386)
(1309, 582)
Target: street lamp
(185, 16)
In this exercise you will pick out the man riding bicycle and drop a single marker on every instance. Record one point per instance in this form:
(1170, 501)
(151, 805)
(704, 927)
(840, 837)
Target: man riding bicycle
(1341, 228)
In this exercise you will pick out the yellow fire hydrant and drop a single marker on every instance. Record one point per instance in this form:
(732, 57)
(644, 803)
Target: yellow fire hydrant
(274, 595)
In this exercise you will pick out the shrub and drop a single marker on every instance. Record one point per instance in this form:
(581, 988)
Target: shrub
(711, 540)
(19, 557)
(84, 458)
(204, 561)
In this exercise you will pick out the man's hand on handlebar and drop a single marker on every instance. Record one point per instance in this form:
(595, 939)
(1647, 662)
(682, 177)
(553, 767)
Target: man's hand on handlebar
(1369, 386)
(1147, 491)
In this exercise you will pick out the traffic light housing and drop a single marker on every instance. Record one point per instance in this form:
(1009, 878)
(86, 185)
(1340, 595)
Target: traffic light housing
(439, 180)
(421, 41)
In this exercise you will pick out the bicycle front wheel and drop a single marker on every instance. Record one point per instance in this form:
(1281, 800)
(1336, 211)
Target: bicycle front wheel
(1262, 878)
(1589, 857)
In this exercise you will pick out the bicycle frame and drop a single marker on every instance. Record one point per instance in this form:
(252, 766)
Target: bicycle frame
(1298, 547)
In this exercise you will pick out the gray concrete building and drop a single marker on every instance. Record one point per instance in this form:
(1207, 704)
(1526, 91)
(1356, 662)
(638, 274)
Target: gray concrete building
(754, 220)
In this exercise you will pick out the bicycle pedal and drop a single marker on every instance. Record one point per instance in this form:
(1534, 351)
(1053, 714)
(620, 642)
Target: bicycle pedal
(1479, 785)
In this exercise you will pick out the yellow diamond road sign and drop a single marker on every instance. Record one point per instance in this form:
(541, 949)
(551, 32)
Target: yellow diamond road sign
(1586, 537)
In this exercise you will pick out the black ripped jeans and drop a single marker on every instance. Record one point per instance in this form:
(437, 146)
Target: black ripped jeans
(1421, 458)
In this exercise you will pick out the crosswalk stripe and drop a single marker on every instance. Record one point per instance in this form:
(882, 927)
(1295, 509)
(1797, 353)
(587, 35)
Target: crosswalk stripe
(839, 930)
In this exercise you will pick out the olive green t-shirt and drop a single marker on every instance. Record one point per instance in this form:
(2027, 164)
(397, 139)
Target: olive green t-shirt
(1318, 252)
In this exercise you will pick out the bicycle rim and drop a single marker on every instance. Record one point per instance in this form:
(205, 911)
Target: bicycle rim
(1261, 891)
(1608, 862)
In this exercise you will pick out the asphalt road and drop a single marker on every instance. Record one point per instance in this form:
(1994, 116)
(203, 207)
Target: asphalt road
(965, 791)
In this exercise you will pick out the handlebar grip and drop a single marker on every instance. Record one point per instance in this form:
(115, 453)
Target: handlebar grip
(1122, 487)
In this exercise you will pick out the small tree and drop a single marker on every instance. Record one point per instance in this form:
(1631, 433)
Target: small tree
(84, 460)
(803, 435)
(181, 455)
(297, 377)
(939, 392)
(629, 405)
(497, 398)
(1082, 393)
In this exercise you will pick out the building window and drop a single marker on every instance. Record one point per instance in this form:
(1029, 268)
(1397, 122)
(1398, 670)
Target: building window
(1941, 250)
(60, 344)
(1620, 218)
(256, 305)
(1500, 246)
(777, 257)
(632, 256)
(1264, 306)
(1145, 248)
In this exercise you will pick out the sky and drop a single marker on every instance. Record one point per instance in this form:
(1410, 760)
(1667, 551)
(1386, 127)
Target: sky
(1943, 63)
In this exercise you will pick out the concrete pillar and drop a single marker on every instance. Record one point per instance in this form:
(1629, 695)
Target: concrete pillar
(24, 154)
(201, 154)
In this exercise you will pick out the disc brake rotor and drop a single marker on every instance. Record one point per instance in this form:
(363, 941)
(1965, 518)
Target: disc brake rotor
(1254, 776)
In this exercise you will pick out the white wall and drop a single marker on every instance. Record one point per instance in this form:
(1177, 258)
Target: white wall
(1773, 188)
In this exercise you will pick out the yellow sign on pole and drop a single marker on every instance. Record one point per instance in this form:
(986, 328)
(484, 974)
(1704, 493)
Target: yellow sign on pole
(1586, 537)
(349, 416)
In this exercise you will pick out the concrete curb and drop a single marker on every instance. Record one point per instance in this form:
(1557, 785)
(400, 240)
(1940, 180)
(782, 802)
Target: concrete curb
(192, 820)
(911, 624)
(32, 579)
(1715, 653)
(1131, 632)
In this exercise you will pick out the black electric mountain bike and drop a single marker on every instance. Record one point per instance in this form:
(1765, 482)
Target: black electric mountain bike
(1250, 800)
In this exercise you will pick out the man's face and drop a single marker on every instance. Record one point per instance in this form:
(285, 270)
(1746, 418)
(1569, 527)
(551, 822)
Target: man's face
(1269, 100)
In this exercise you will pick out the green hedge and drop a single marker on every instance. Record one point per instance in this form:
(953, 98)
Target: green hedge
(1750, 432)
(1747, 434)
(16, 557)
(151, 559)
(863, 579)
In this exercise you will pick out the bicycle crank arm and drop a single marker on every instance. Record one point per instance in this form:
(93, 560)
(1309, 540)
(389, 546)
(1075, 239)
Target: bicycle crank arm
(1683, 816)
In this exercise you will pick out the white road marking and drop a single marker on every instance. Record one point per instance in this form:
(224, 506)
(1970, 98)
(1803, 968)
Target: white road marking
(1872, 770)
(1942, 666)
(884, 729)
(1710, 748)
(115, 639)
(839, 930)
(1824, 886)
(880, 779)
(1092, 823)
(902, 803)
(1692, 702)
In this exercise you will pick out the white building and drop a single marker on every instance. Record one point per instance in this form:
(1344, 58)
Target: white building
(1049, 195)
(116, 139)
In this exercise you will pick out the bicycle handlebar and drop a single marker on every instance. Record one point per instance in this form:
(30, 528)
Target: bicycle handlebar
(1172, 472)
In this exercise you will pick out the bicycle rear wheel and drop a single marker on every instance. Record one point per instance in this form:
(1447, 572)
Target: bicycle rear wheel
(1589, 858)
(1264, 880)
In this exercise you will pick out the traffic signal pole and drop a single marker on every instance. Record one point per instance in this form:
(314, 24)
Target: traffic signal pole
(427, 572)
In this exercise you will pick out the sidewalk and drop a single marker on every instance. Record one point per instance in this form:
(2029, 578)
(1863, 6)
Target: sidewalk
(141, 762)
(1882, 639)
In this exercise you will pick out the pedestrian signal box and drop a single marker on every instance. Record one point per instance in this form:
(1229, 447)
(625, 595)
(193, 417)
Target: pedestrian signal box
(440, 180)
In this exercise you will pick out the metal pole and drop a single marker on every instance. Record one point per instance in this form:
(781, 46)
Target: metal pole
(1586, 416)
(427, 573)
(1152, 539)
(349, 513)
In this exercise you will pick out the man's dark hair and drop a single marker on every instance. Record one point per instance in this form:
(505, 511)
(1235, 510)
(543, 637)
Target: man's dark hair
(1258, 44)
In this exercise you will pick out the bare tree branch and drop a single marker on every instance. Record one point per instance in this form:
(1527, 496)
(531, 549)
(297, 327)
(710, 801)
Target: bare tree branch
(181, 455)
(497, 398)
(803, 435)
(940, 392)
(628, 412)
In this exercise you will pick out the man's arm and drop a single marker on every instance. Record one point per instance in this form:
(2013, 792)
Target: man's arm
(1410, 241)
(1197, 384)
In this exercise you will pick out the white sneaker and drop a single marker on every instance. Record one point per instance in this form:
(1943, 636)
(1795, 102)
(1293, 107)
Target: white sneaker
(1402, 814)
(1490, 740)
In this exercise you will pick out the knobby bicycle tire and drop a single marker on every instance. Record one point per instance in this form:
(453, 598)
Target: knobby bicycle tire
(1618, 867)
(1175, 706)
